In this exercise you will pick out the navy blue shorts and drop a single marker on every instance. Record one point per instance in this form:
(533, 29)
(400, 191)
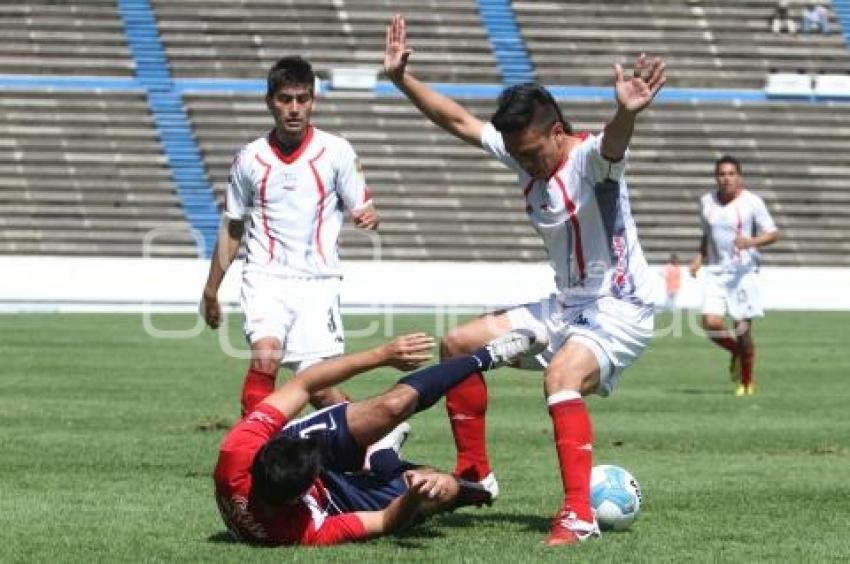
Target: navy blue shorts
(350, 487)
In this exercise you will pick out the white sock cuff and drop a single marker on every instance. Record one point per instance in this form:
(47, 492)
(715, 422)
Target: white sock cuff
(562, 396)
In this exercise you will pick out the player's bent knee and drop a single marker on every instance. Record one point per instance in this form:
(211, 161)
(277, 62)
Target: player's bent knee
(559, 376)
(268, 365)
(451, 345)
(399, 403)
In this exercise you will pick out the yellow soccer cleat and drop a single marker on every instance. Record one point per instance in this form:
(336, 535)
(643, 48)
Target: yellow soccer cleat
(743, 390)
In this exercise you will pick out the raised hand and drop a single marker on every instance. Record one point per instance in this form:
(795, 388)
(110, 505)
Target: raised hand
(396, 51)
(636, 92)
(409, 351)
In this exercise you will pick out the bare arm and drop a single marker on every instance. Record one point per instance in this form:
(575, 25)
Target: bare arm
(226, 246)
(441, 110)
(696, 262)
(760, 240)
(405, 352)
(633, 96)
(429, 491)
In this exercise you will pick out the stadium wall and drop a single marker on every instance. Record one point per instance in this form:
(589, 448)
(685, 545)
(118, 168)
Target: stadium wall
(65, 284)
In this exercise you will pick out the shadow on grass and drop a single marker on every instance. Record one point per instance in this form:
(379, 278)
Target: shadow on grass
(701, 392)
(531, 523)
(222, 537)
(417, 537)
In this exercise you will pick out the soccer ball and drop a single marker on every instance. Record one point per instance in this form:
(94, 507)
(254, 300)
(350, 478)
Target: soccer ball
(615, 497)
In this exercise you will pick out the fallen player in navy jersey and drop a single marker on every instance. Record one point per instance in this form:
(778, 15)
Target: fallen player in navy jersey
(335, 475)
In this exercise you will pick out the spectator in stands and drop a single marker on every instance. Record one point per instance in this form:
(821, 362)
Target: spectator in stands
(290, 190)
(782, 17)
(672, 280)
(816, 18)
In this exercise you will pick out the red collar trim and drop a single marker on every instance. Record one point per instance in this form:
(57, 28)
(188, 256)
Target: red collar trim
(292, 157)
(719, 201)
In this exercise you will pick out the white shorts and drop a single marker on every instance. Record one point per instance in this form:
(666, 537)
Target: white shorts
(735, 294)
(301, 313)
(617, 332)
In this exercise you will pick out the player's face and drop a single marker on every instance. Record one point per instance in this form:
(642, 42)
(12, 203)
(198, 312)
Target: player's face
(291, 107)
(729, 180)
(536, 149)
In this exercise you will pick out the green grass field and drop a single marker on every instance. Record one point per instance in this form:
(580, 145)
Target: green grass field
(108, 438)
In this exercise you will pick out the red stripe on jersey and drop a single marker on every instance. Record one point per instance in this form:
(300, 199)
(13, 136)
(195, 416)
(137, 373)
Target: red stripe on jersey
(263, 213)
(571, 208)
(292, 157)
(321, 208)
(367, 194)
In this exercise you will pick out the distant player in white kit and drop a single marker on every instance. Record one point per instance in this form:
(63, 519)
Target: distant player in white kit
(290, 189)
(735, 225)
(601, 319)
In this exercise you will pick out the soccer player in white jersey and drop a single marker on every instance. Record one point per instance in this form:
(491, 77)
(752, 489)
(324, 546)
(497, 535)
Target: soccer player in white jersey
(289, 189)
(601, 319)
(735, 224)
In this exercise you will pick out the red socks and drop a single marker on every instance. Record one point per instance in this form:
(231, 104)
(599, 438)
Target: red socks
(574, 443)
(466, 404)
(727, 342)
(748, 362)
(257, 386)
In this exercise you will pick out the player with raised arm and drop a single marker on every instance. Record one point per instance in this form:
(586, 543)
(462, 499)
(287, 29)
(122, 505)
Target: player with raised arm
(289, 189)
(735, 225)
(601, 318)
(284, 482)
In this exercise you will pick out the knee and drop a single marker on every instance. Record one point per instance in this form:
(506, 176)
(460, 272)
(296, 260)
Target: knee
(559, 376)
(399, 403)
(266, 360)
(451, 345)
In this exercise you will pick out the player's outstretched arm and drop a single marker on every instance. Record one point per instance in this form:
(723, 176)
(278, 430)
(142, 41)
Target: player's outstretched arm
(226, 247)
(633, 95)
(428, 491)
(441, 110)
(405, 352)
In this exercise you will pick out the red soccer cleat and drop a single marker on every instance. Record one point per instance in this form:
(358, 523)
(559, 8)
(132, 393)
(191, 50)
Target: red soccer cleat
(566, 528)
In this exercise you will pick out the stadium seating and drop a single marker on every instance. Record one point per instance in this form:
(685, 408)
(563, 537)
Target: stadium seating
(82, 173)
(440, 200)
(80, 38)
(217, 38)
(710, 44)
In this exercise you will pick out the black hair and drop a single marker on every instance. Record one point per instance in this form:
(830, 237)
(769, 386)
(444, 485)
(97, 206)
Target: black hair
(290, 71)
(284, 468)
(727, 159)
(518, 105)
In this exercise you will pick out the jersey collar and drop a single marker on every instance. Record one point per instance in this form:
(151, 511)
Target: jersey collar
(292, 157)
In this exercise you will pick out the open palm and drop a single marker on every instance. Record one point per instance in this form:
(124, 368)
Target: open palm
(396, 52)
(637, 91)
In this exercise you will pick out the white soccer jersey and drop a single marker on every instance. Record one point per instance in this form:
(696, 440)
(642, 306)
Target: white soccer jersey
(295, 202)
(582, 212)
(746, 216)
